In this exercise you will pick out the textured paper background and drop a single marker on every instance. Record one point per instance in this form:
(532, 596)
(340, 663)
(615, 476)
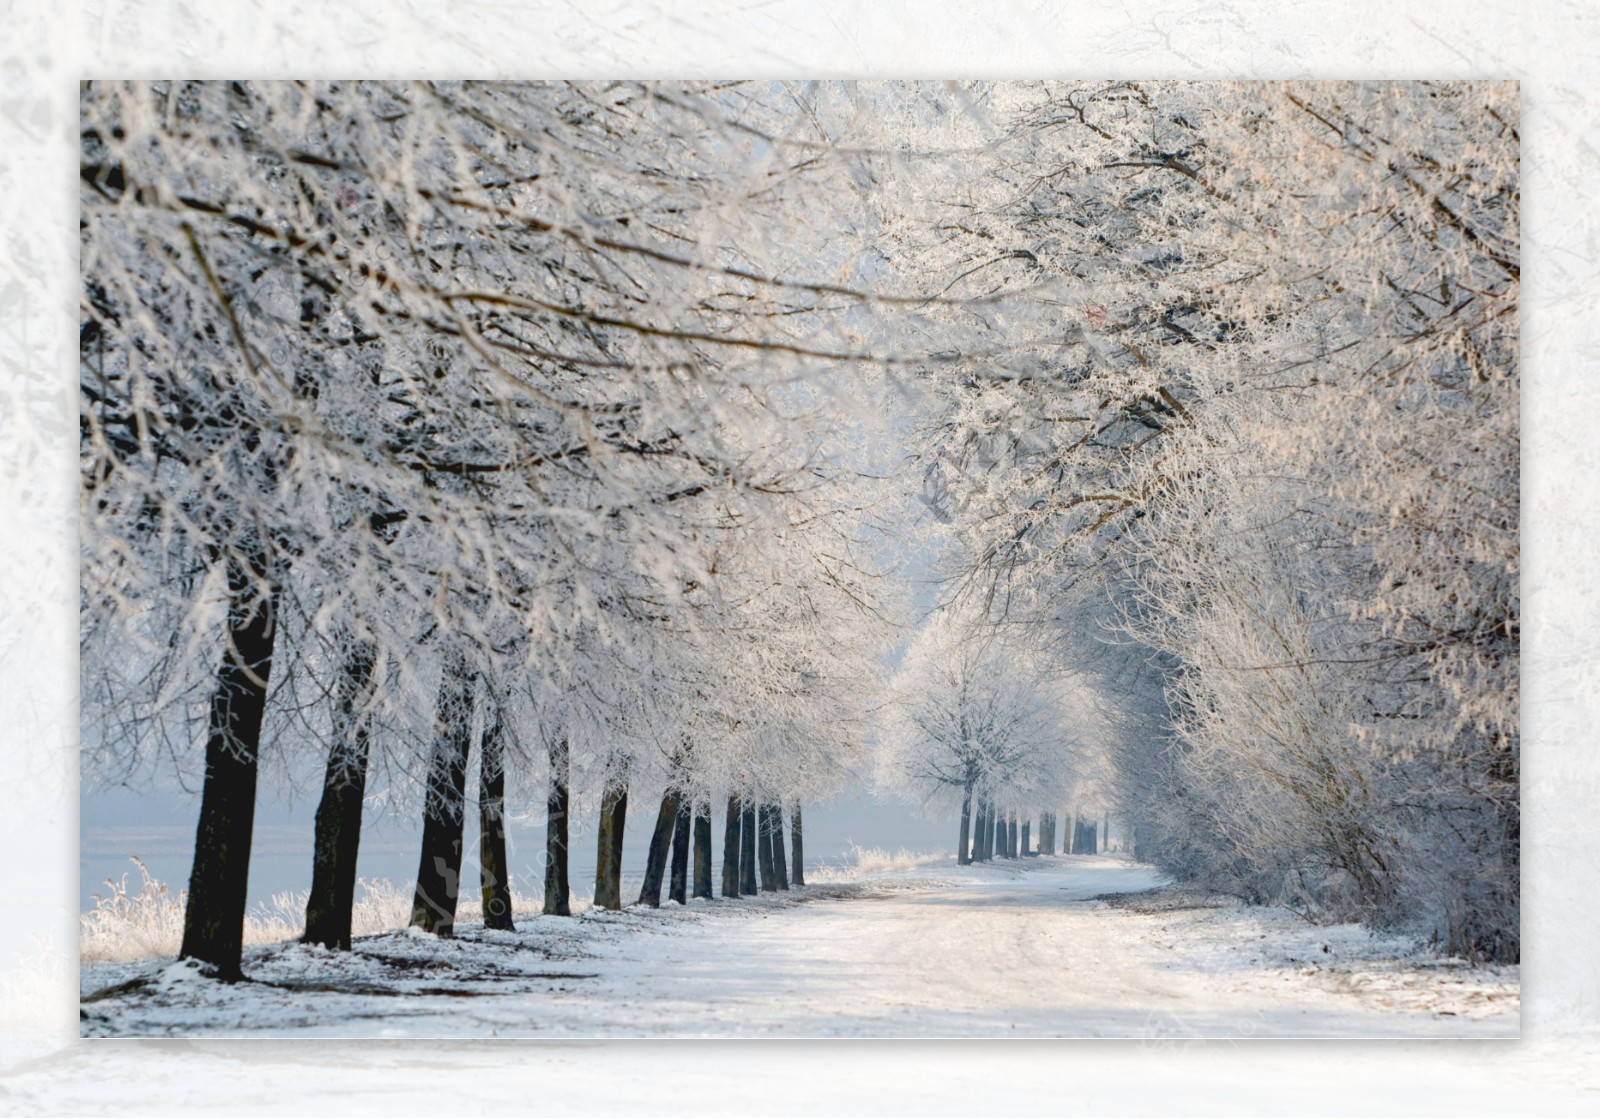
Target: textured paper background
(1551, 47)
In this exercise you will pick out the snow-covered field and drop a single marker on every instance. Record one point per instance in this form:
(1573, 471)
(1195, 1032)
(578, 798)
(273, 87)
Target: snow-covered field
(901, 948)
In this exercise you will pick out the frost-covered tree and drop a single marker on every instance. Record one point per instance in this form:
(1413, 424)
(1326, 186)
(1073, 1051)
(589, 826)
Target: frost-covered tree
(978, 720)
(1266, 401)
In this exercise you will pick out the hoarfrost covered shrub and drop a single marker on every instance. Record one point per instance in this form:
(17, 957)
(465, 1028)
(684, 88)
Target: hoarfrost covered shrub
(131, 925)
(874, 860)
(145, 921)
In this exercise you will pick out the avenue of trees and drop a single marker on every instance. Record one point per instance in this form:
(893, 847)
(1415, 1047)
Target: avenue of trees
(563, 446)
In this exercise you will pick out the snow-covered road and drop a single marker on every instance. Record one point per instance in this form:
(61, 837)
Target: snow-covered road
(1011, 949)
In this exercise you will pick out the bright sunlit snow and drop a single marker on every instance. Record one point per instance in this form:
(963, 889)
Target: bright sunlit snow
(920, 949)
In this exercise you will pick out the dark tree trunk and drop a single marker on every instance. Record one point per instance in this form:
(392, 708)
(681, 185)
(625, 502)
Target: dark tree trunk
(1011, 835)
(730, 850)
(1105, 833)
(797, 873)
(678, 883)
(494, 871)
(780, 866)
(980, 827)
(557, 886)
(1000, 834)
(1084, 839)
(764, 848)
(608, 845)
(213, 917)
(1026, 850)
(702, 849)
(433, 907)
(338, 827)
(747, 848)
(655, 867)
(963, 856)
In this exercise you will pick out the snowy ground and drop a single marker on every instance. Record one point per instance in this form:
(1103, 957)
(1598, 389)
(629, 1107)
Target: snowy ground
(1012, 949)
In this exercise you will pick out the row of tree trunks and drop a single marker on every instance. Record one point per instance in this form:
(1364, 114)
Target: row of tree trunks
(752, 844)
(987, 833)
(753, 855)
(331, 901)
(218, 889)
